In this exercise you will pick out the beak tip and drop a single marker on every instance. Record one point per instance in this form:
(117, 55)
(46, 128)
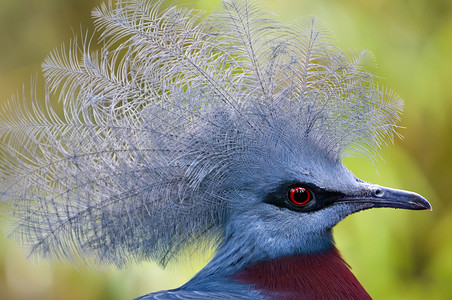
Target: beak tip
(422, 203)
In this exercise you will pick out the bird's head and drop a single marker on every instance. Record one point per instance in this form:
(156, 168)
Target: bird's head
(230, 128)
(284, 191)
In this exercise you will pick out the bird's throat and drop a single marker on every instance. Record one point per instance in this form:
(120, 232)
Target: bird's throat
(308, 276)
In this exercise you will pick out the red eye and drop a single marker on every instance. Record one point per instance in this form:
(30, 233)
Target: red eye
(299, 195)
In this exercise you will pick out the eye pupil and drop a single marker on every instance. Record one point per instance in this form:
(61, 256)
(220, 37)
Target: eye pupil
(299, 195)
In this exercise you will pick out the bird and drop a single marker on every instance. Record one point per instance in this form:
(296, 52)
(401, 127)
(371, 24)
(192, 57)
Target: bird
(169, 130)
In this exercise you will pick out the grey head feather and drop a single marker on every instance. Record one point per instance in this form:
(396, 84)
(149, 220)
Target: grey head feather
(173, 121)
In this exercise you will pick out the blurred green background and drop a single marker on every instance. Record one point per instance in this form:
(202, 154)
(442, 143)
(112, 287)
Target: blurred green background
(395, 254)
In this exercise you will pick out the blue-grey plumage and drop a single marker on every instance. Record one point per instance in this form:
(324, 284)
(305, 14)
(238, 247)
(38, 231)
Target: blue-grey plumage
(183, 128)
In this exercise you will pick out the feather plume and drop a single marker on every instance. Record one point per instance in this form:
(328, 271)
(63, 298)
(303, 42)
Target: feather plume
(170, 119)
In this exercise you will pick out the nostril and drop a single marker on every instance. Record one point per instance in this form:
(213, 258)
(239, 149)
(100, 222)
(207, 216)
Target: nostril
(378, 193)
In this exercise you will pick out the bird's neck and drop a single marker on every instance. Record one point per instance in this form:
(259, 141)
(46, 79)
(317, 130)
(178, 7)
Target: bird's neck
(304, 276)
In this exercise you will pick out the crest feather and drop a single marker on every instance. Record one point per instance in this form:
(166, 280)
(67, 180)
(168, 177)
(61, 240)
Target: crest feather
(160, 122)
